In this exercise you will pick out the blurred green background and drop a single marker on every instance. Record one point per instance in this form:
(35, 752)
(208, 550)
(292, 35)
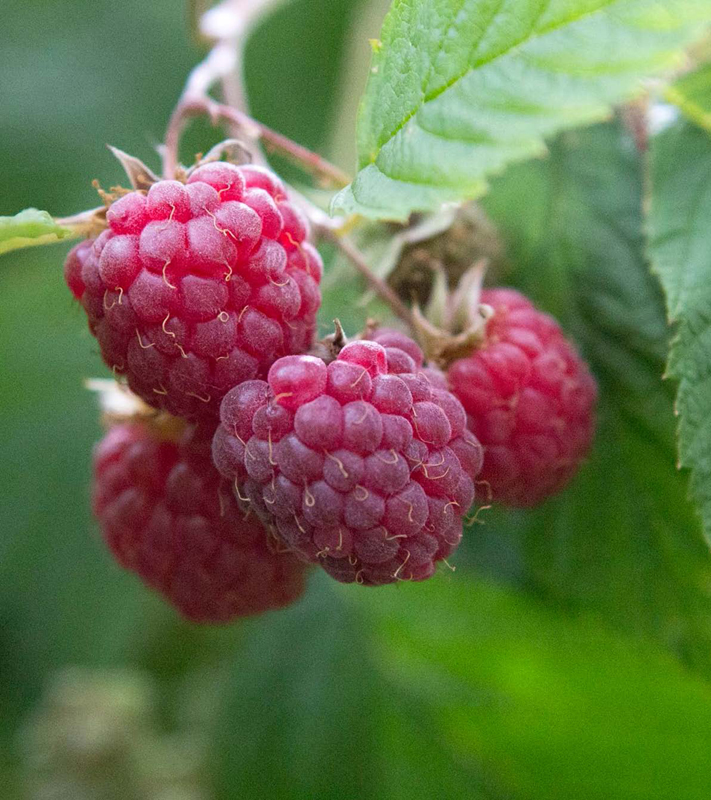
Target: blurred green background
(568, 655)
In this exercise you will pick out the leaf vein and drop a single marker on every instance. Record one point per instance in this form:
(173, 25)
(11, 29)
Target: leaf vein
(428, 98)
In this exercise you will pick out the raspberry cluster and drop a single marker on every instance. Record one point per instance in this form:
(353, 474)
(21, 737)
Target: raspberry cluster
(259, 459)
(196, 287)
(165, 515)
(530, 401)
(364, 465)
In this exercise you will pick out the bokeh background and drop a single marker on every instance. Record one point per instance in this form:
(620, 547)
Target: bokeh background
(568, 655)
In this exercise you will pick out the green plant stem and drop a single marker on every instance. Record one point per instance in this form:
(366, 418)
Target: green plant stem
(379, 286)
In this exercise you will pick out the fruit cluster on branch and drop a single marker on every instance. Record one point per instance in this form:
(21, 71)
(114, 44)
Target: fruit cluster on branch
(257, 451)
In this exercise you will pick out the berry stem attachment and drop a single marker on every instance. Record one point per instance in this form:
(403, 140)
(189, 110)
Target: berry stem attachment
(226, 25)
(378, 285)
(86, 223)
(194, 106)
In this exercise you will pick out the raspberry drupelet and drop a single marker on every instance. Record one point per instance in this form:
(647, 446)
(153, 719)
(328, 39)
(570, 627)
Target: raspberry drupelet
(166, 515)
(196, 287)
(364, 465)
(530, 401)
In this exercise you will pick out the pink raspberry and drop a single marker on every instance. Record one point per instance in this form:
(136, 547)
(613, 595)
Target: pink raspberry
(196, 287)
(530, 401)
(363, 466)
(166, 516)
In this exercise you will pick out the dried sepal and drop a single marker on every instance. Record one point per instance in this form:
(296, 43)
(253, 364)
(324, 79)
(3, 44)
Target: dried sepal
(441, 347)
(118, 404)
(331, 345)
(465, 299)
(86, 224)
(464, 234)
(438, 310)
(454, 324)
(140, 176)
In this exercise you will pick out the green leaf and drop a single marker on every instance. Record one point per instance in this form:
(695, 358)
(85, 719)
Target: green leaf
(680, 246)
(622, 539)
(460, 88)
(30, 227)
(692, 94)
(298, 703)
(457, 689)
(549, 707)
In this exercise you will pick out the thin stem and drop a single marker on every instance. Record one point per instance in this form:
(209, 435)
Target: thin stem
(232, 20)
(277, 142)
(88, 223)
(234, 94)
(227, 25)
(376, 284)
(192, 106)
(172, 137)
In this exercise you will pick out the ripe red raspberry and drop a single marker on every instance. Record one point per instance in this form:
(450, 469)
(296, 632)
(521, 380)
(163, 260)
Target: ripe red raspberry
(195, 288)
(363, 466)
(530, 401)
(165, 515)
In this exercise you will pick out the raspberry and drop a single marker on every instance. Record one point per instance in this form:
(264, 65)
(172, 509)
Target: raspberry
(530, 401)
(362, 465)
(74, 265)
(166, 516)
(195, 288)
